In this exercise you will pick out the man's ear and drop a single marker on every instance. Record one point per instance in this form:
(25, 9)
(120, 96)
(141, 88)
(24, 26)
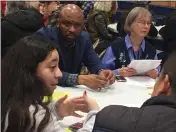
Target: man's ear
(166, 87)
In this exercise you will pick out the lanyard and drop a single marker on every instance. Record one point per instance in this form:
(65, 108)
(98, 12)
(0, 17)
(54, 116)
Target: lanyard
(136, 55)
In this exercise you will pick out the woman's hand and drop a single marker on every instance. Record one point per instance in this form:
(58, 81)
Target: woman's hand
(152, 73)
(126, 72)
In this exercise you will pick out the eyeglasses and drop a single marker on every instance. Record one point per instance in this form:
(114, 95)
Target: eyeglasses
(143, 23)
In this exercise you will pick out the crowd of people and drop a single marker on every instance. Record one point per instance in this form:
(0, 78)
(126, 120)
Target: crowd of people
(48, 43)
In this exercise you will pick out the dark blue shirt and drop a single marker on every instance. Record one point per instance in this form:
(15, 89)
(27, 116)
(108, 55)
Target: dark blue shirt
(83, 53)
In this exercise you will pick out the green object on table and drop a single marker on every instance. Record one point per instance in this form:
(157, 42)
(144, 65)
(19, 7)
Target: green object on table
(56, 95)
(67, 130)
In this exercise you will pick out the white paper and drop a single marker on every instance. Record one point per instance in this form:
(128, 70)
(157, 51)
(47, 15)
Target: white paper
(141, 81)
(142, 66)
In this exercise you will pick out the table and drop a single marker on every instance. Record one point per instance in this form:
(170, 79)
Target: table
(120, 93)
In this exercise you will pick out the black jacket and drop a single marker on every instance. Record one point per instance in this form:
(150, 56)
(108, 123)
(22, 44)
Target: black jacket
(169, 34)
(19, 24)
(97, 26)
(121, 53)
(157, 114)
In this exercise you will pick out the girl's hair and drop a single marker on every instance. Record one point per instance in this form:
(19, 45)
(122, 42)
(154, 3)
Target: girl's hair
(20, 85)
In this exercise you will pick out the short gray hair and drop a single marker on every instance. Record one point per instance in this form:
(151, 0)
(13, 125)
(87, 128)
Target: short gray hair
(14, 6)
(133, 14)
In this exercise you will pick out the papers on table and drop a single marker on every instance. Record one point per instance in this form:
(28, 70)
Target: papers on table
(142, 66)
(141, 81)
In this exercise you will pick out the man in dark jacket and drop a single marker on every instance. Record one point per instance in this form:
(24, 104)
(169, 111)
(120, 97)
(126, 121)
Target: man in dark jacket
(19, 24)
(75, 48)
(157, 114)
(169, 34)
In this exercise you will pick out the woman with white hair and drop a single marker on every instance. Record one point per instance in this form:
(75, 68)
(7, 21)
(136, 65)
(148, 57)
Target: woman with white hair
(98, 19)
(119, 55)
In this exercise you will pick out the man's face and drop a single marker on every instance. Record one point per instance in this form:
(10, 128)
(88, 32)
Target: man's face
(70, 24)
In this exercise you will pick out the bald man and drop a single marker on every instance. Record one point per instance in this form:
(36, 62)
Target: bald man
(75, 49)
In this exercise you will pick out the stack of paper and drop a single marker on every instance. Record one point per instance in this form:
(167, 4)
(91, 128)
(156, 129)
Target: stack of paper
(142, 66)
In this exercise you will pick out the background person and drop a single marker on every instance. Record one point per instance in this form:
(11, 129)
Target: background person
(75, 48)
(134, 46)
(157, 113)
(29, 72)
